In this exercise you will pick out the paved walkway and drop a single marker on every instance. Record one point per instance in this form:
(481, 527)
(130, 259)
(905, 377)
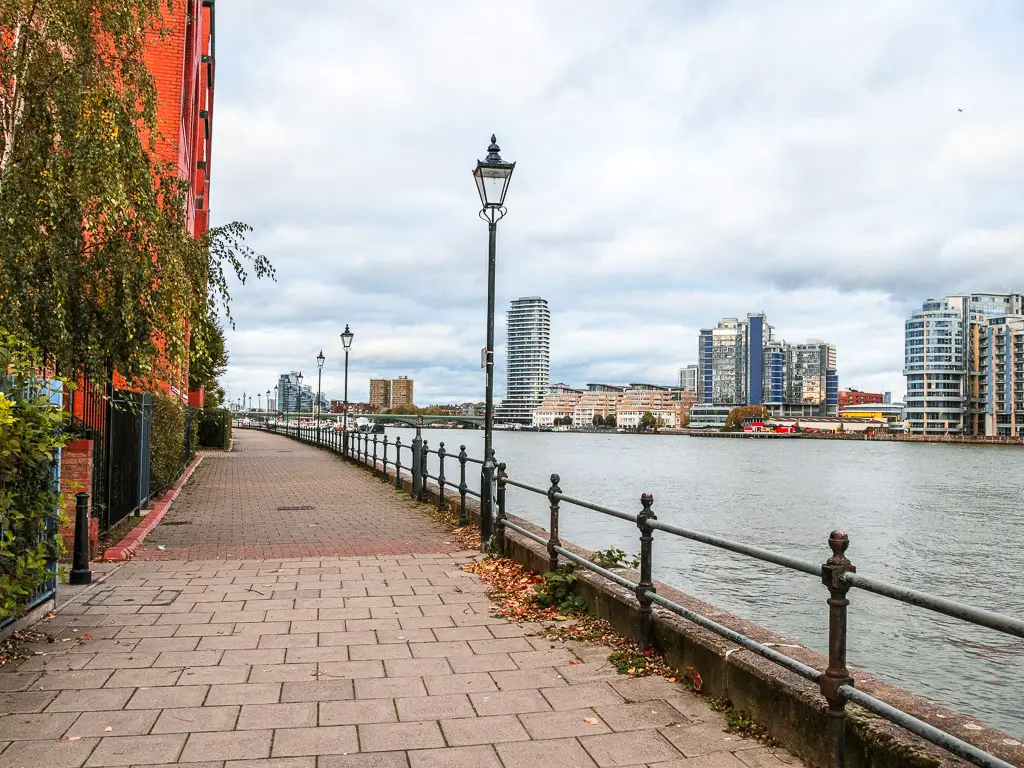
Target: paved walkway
(272, 497)
(330, 662)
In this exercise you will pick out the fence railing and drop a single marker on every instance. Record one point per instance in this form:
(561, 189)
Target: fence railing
(837, 574)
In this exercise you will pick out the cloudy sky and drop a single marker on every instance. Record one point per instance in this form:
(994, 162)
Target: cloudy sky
(678, 162)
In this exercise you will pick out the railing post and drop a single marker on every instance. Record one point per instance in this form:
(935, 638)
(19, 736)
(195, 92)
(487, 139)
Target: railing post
(837, 674)
(440, 476)
(80, 573)
(500, 522)
(374, 451)
(385, 458)
(424, 453)
(553, 541)
(398, 462)
(417, 464)
(463, 514)
(643, 522)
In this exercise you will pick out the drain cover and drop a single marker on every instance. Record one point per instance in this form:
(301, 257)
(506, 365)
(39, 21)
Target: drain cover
(293, 509)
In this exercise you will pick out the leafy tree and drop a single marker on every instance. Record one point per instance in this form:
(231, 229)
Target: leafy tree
(597, 420)
(609, 420)
(97, 267)
(404, 410)
(648, 421)
(734, 421)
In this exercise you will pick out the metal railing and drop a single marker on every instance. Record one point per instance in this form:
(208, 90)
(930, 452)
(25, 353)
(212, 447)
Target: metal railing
(837, 574)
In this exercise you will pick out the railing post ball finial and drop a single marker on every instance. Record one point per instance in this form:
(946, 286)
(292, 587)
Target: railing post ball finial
(838, 542)
(555, 480)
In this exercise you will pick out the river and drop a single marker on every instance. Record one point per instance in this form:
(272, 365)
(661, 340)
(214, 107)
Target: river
(945, 519)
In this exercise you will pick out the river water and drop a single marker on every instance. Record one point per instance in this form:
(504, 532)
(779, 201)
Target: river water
(945, 519)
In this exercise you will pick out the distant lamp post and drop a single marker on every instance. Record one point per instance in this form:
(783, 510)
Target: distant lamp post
(320, 360)
(346, 342)
(492, 176)
(259, 401)
(298, 395)
(277, 404)
(268, 405)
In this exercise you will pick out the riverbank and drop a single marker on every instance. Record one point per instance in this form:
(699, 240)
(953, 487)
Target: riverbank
(888, 437)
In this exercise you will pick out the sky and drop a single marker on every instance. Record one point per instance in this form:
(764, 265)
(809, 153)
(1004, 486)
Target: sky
(830, 164)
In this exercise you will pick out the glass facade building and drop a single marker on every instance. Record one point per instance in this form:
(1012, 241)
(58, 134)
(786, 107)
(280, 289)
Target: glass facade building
(528, 350)
(959, 359)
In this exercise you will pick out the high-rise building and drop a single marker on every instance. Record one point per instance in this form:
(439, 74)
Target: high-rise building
(741, 363)
(528, 343)
(688, 378)
(293, 398)
(391, 393)
(951, 353)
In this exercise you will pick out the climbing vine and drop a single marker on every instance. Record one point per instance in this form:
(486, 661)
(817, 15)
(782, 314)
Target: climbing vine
(30, 436)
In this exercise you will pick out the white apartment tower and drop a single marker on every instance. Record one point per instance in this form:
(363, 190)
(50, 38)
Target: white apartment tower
(528, 345)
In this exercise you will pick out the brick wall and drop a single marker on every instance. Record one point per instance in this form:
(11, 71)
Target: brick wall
(76, 477)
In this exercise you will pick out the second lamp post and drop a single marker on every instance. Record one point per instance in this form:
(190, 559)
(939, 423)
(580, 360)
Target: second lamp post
(346, 342)
(320, 359)
(492, 176)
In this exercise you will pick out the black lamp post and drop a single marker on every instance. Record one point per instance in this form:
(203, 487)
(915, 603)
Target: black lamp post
(267, 412)
(259, 401)
(320, 359)
(346, 341)
(492, 176)
(298, 392)
(277, 405)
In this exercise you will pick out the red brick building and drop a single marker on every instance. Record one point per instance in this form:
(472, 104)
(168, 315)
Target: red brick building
(856, 397)
(183, 68)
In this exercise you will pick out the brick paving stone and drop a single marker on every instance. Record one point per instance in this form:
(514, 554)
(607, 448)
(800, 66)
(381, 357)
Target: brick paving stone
(34, 701)
(44, 725)
(384, 737)
(390, 688)
(494, 729)
(52, 754)
(136, 750)
(357, 712)
(491, 662)
(509, 702)
(317, 690)
(350, 670)
(398, 650)
(454, 757)
(705, 738)
(167, 697)
(325, 740)
(292, 715)
(133, 722)
(616, 749)
(235, 745)
(765, 757)
(63, 681)
(417, 667)
(569, 722)
(243, 693)
(232, 504)
(475, 682)
(577, 696)
(378, 760)
(545, 677)
(434, 707)
(87, 701)
(643, 714)
(564, 753)
(137, 678)
(194, 719)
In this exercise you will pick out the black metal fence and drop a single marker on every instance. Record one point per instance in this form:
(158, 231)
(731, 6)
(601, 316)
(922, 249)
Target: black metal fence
(837, 574)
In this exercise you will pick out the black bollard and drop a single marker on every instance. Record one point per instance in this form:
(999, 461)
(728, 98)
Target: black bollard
(80, 573)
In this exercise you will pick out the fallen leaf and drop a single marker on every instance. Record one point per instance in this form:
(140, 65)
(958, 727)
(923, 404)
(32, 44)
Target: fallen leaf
(108, 729)
(574, 661)
(591, 721)
(74, 738)
(87, 636)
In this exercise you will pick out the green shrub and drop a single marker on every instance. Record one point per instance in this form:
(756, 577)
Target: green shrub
(167, 443)
(556, 591)
(30, 436)
(613, 557)
(214, 427)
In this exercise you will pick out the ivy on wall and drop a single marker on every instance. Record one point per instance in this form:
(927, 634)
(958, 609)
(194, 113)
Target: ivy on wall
(30, 437)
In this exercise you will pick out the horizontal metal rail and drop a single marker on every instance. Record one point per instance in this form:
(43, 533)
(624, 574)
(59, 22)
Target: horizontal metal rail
(743, 549)
(997, 621)
(597, 508)
(524, 532)
(610, 575)
(524, 486)
(924, 730)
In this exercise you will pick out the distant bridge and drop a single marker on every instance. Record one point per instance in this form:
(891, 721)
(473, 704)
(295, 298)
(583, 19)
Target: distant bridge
(411, 420)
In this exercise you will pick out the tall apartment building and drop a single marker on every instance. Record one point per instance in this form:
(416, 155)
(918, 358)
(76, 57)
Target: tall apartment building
(391, 393)
(528, 344)
(741, 363)
(956, 365)
(688, 378)
(293, 397)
